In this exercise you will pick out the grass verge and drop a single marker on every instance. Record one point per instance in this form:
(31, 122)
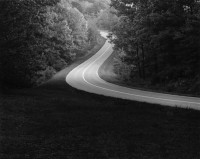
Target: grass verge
(106, 72)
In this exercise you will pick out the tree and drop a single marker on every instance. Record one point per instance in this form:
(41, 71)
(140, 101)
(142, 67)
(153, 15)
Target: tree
(39, 38)
(161, 38)
(21, 29)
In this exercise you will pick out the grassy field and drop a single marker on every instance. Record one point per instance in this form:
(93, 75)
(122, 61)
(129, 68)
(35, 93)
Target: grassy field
(56, 121)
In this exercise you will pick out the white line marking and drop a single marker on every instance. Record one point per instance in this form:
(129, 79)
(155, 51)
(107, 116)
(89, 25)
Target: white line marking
(169, 100)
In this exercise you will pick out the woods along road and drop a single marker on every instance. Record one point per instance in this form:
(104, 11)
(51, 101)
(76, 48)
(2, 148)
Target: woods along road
(85, 77)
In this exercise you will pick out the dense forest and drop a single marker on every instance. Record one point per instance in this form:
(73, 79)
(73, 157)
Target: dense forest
(157, 43)
(40, 37)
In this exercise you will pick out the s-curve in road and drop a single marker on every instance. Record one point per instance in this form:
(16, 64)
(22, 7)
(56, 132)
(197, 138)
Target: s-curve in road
(85, 77)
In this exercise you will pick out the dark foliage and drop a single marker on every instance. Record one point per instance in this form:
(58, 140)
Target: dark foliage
(39, 38)
(161, 39)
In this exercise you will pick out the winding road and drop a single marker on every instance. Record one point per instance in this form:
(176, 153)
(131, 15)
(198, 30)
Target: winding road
(85, 77)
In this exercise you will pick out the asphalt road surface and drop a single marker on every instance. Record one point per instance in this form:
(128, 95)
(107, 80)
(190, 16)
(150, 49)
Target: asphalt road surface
(85, 77)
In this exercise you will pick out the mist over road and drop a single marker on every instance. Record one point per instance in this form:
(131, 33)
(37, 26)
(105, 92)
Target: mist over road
(85, 77)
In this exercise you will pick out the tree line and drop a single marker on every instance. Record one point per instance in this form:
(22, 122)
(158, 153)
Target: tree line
(40, 37)
(159, 42)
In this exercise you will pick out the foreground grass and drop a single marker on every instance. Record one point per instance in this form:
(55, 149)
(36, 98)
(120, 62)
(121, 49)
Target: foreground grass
(58, 124)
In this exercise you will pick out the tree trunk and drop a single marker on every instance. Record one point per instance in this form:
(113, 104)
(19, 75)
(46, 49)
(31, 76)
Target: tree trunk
(155, 62)
(138, 61)
(143, 62)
